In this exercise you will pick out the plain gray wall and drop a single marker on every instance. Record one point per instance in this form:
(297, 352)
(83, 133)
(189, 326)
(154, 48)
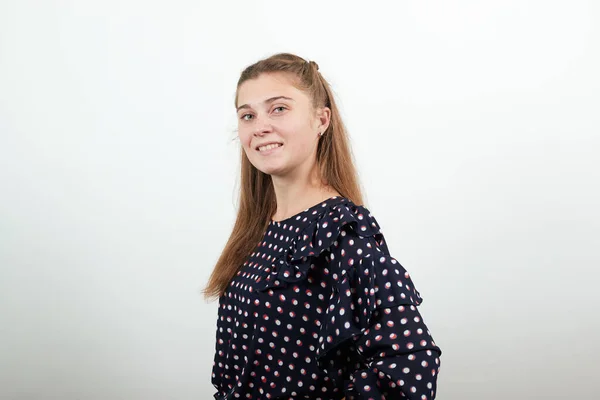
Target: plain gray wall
(475, 126)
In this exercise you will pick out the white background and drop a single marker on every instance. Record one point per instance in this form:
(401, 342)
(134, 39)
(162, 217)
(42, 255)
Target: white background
(476, 130)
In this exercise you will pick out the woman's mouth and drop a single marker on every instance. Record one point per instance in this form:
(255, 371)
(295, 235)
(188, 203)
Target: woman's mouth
(270, 148)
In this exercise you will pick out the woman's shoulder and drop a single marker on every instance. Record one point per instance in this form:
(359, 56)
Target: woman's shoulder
(342, 219)
(336, 221)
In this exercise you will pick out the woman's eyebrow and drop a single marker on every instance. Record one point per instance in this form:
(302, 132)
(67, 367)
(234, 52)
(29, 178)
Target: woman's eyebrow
(269, 100)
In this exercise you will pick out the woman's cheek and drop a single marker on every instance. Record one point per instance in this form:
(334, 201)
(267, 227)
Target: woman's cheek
(245, 140)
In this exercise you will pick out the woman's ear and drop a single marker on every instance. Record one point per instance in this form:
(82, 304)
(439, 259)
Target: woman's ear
(324, 117)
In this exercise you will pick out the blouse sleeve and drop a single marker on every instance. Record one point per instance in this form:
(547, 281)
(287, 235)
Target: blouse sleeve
(373, 313)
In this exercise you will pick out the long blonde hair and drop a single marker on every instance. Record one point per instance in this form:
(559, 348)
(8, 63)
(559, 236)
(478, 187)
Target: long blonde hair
(257, 202)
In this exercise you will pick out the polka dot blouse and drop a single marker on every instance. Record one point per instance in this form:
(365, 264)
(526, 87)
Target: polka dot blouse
(321, 310)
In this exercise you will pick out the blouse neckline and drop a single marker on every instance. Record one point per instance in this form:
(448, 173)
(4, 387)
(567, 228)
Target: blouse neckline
(310, 210)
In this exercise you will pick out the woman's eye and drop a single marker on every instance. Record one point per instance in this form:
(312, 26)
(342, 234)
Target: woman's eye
(243, 117)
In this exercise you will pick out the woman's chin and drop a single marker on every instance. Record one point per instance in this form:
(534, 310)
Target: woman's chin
(273, 170)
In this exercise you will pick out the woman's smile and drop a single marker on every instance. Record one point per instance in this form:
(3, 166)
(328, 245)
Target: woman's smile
(270, 149)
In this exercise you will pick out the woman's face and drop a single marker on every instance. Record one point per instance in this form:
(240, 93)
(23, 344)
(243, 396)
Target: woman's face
(272, 110)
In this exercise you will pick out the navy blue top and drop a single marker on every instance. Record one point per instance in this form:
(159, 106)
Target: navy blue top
(321, 310)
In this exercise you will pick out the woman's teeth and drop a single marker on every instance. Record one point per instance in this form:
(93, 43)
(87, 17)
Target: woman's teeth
(269, 146)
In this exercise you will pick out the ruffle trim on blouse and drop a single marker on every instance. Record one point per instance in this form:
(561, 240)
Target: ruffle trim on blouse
(374, 282)
(377, 282)
(318, 236)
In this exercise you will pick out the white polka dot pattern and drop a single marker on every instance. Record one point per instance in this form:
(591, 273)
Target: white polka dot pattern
(320, 310)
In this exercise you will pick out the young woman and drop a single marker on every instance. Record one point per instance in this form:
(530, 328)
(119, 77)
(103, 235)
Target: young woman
(311, 303)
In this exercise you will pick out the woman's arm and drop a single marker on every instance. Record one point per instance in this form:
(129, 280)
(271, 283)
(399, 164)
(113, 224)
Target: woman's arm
(376, 307)
(400, 359)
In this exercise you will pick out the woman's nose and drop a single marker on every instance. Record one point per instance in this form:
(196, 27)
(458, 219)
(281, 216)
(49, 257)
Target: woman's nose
(262, 127)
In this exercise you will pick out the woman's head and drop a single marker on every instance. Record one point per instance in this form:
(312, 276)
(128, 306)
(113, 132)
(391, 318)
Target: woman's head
(314, 142)
(314, 138)
(275, 109)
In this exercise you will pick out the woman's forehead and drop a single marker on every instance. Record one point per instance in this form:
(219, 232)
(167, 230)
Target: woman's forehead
(266, 86)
